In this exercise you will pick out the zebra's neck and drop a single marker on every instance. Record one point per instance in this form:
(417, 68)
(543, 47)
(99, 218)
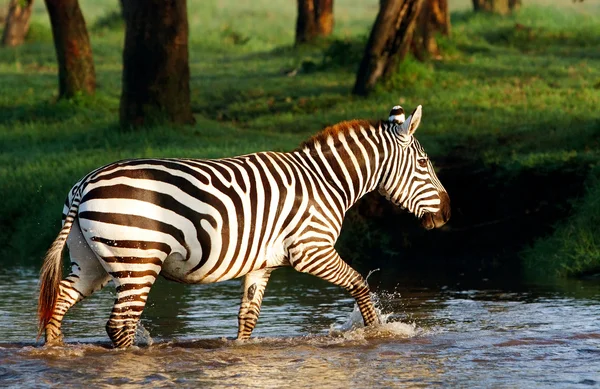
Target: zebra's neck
(349, 158)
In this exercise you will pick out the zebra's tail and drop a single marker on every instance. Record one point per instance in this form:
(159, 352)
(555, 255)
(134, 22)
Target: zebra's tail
(51, 272)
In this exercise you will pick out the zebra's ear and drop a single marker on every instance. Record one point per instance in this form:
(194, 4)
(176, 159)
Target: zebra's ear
(411, 124)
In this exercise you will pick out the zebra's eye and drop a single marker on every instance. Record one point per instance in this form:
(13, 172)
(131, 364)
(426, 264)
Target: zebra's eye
(422, 162)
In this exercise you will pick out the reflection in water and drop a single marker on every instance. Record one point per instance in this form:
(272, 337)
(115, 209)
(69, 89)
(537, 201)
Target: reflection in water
(307, 337)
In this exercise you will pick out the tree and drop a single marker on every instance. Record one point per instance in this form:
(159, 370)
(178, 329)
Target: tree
(315, 19)
(434, 18)
(4, 4)
(388, 43)
(17, 22)
(501, 7)
(156, 72)
(76, 72)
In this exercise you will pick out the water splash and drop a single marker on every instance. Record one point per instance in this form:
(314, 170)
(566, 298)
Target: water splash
(142, 336)
(354, 328)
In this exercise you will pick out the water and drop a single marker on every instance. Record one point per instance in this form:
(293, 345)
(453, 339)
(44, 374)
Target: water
(438, 334)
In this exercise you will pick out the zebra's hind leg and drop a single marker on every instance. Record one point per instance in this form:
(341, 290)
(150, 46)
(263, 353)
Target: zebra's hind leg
(132, 288)
(325, 263)
(252, 295)
(87, 276)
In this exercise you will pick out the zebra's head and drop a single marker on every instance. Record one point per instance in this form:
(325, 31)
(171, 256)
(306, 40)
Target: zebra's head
(409, 179)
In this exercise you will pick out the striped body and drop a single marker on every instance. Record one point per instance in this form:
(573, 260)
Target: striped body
(203, 221)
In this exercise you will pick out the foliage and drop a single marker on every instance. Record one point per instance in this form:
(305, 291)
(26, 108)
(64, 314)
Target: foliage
(344, 53)
(110, 20)
(573, 247)
(411, 73)
(39, 33)
(517, 92)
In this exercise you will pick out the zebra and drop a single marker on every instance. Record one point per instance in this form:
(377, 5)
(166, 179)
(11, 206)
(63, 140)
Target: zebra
(211, 220)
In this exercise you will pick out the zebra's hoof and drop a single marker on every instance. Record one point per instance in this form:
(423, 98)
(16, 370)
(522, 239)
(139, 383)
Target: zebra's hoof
(54, 341)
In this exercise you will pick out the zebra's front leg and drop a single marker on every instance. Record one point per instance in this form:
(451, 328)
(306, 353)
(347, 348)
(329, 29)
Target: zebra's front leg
(325, 263)
(253, 291)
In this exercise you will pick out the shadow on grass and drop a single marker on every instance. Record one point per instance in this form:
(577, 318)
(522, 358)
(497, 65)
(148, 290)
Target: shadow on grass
(538, 39)
(288, 81)
(111, 20)
(39, 102)
(514, 32)
(490, 71)
(327, 54)
(47, 112)
(240, 106)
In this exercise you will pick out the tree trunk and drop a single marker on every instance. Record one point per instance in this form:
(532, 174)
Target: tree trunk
(4, 5)
(434, 18)
(315, 19)
(388, 43)
(156, 72)
(501, 7)
(17, 22)
(324, 17)
(73, 51)
(514, 5)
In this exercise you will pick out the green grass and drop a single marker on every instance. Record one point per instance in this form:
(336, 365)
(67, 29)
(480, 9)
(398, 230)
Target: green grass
(573, 248)
(511, 93)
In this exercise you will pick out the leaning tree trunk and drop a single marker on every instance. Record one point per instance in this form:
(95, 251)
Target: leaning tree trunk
(315, 19)
(388, 43)
(434, 19)
(17, 22)
(501, 7)
(156, 72)
(76, 72)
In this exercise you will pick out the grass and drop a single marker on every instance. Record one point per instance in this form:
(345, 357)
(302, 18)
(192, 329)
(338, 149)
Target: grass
(511, 93)
(573, 248)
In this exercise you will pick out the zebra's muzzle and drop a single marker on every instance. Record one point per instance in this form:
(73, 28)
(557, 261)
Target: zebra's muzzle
(427, 221)
(431, 220)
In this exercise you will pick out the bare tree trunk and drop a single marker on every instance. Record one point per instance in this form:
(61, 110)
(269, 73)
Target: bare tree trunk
(156, 72)
(315, 19)
(17, 22)
(514, 5)
(4, 5)
(501, 7)
(388, 43)
(434, 18)
(324, 17)
(76, 72)
(306, 26)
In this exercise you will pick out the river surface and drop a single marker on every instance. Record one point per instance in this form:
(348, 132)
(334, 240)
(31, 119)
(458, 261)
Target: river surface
(436, 334)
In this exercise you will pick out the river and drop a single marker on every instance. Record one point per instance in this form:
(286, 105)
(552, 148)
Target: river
(436, 334)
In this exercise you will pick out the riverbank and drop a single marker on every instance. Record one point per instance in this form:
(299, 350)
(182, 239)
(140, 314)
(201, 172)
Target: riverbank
(510, 120)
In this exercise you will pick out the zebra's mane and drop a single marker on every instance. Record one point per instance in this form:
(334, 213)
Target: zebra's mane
(333, 130)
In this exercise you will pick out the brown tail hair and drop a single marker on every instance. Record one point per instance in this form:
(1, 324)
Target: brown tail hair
(51, 272)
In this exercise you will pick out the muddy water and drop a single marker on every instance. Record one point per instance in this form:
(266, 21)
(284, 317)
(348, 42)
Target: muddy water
(437, 334)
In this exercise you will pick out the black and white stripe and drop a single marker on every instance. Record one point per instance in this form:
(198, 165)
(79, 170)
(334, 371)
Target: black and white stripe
(203, 221)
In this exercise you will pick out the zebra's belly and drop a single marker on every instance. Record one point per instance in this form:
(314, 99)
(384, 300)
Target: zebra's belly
(177, 268)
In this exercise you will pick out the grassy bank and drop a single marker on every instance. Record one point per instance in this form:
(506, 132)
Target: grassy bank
(511, 94)
(573, 249)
